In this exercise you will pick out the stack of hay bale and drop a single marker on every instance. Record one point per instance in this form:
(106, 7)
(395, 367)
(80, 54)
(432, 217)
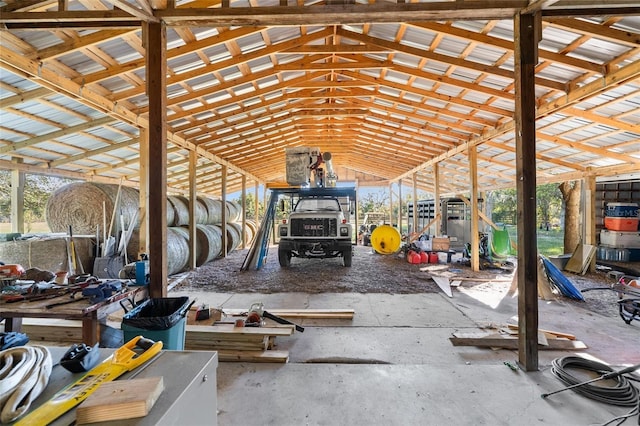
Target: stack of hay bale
(89, 207)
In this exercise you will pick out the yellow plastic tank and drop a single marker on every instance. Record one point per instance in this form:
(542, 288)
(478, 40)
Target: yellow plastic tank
(385, 239)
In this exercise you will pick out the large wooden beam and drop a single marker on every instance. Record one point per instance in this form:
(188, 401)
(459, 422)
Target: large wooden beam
(342, 14)
(526, 34)
(155, 37)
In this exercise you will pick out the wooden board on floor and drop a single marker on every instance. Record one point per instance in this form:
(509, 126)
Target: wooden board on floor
(498, 341)
(120, 400)
(555, 333)
(253, 356)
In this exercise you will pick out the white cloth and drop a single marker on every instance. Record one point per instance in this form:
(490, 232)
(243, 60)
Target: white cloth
(24, 373)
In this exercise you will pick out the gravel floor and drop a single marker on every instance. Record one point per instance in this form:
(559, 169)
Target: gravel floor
(370, 273)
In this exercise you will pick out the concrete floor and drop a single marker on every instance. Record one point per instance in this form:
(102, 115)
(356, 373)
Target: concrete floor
(394, 365)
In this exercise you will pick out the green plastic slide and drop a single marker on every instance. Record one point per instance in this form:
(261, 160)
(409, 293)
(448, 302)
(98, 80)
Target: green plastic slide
(501, 243)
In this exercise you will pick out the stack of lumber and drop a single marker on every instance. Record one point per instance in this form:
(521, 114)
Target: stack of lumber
(242, 344)
(249, 344)
(51, 331)
(245, 344)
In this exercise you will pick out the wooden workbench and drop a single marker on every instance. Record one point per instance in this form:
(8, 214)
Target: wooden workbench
(89, 313)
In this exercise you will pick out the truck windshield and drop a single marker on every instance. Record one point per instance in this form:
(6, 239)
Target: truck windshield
(315, 204)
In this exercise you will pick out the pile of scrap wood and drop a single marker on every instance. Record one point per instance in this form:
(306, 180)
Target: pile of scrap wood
(218, 332)
(506, 337)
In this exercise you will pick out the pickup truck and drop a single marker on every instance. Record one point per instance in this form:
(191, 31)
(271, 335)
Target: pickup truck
(316, 228)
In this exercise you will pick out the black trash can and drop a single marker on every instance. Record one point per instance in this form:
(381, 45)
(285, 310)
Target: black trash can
(158, 319)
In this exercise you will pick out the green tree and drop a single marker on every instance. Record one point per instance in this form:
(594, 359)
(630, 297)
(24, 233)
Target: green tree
(504, 202)
(549, 203)
(250, 201)
(37, 189)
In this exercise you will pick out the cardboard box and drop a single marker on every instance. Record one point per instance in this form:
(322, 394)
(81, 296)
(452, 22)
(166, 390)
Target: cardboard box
(440, 244)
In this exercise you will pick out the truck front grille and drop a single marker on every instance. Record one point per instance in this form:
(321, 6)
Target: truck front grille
(314, 227)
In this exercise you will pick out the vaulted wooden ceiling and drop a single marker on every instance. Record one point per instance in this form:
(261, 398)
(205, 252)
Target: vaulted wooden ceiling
(390, 89)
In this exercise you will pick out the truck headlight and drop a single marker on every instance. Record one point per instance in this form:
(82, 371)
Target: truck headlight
(344, 231)
(283, 231)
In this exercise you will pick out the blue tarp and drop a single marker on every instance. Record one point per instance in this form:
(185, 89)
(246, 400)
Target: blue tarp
(558, 279)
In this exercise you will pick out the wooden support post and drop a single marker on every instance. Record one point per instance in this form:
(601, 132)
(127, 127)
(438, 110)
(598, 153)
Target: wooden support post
(17, 199)
(193, 240)
(589, 215)
(400, 206)
(436, 198)
(143, 200)
(391, 222)
(526, 58)
(244, 211)
(257, 203)
(155, 43)
(414, 225)
(473, 178)
(223, 215)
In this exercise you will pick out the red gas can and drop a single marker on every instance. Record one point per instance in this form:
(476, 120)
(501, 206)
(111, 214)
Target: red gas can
(433, 257)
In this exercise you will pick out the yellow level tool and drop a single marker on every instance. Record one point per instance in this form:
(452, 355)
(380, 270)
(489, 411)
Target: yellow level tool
(122, 360)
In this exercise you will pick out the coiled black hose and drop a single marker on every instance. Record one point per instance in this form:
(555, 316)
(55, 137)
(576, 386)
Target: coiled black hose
(623, 393)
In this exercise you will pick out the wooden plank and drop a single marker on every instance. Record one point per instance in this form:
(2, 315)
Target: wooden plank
(214, 345)
(555, 333)
(580, 259)
(251, 356)
(302, 313)
(226, 329)
(497, 341)
(120, 400)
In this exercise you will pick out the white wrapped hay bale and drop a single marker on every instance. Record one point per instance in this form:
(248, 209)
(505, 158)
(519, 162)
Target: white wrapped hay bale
(80, 205)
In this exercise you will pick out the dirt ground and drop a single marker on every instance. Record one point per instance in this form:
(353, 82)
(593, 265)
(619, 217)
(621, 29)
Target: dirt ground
(373, 273)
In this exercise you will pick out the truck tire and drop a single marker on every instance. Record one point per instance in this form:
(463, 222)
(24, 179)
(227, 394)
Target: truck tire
(284, 257)
(347, 256)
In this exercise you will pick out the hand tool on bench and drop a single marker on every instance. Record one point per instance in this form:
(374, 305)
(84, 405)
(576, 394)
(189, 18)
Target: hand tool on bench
(259, 309)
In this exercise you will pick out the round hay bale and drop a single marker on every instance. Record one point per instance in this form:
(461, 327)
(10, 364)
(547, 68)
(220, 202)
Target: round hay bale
(177, 251)
(234, 236)
(177, 247)
(180, 205)
(251, 231)
(79, 205)
(209, 243)
(171, 214)
(180, 208)
(133, 246)
(234, 211)
(214, 213)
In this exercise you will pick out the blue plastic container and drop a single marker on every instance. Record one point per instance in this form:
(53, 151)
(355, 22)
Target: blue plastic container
(628, 210)
(158, 319)
(142, 272)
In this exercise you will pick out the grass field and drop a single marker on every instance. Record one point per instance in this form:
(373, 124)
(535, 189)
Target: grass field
(550, 243)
